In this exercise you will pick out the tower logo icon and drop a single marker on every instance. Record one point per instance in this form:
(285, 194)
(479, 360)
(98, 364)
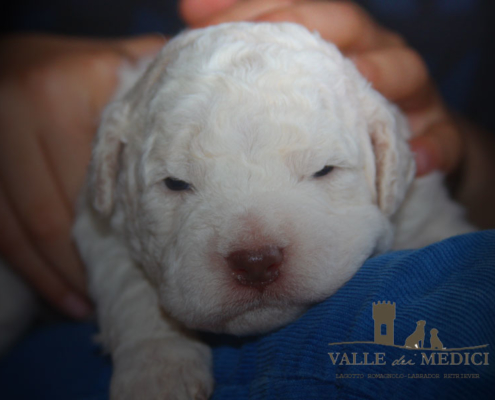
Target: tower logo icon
(384, 317)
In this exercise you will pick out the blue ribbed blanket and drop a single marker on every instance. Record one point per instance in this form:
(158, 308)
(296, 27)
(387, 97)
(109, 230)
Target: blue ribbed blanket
(449, 285)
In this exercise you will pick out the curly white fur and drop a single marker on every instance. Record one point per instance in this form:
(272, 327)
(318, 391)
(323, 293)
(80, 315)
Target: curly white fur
(247, 114)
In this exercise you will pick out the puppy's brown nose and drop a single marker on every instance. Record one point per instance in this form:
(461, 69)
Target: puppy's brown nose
(258, 267)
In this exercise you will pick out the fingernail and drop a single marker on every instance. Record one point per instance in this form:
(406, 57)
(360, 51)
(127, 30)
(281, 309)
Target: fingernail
(76, 307)
(424, 162)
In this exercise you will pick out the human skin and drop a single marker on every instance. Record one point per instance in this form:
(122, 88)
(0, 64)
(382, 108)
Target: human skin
(442, 141)
(53, 89)
(394, 68)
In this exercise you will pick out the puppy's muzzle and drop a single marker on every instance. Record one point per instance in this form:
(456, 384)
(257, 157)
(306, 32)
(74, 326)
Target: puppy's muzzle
(256, 267)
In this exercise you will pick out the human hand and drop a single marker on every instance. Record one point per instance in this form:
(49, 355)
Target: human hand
(52, 91)
(394, 69)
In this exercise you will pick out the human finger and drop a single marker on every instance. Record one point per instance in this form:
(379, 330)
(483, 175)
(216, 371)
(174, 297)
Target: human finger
(67, 139)
(18, 251)
(38, 203)
(194, 11)
(98, 78)
(244, 11)
(440, 147)
(399, 73)
(140, 46)
(341, 22)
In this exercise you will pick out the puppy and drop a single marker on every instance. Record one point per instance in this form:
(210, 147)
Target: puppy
(243, 177)
(435, 342)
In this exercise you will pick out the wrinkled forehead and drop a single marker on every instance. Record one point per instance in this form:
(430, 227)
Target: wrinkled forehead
(235, 121)
(254, 104)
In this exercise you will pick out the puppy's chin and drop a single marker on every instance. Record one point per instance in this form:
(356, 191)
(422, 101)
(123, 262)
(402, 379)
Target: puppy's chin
(263, 320)
(257, 321)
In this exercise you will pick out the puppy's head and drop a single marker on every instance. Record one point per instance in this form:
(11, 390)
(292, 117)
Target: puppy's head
(251, 171)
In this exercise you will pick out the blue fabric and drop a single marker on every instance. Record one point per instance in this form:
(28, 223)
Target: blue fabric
(450, 285)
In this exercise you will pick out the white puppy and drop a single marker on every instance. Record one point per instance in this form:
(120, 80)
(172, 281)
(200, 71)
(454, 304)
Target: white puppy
(246, 176)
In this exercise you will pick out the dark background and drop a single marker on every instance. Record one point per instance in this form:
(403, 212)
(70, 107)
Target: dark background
(456, 37)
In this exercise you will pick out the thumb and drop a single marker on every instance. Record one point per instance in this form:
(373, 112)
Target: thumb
(102, 79)
(195, 11)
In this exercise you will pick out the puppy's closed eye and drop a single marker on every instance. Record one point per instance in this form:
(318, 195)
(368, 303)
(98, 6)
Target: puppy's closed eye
(176, 184)
(324, 171)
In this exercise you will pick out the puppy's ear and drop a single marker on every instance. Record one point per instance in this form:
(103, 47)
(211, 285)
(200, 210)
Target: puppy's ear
(105, 158)
(394, 162)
